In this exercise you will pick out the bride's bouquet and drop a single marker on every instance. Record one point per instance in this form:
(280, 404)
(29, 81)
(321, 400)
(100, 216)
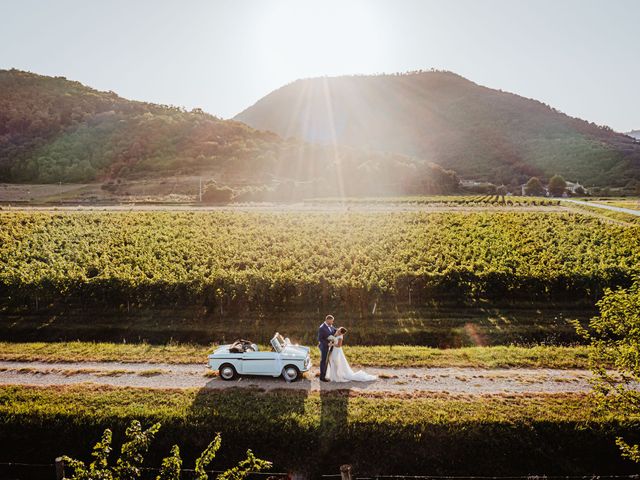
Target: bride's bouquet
(332, 340)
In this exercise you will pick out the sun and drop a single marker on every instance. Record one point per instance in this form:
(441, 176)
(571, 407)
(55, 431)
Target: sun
(321, 37)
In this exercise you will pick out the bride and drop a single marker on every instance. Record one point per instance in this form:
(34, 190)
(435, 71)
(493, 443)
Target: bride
(338, 369)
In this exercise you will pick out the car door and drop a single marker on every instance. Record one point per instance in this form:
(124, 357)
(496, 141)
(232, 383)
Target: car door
(258, 363)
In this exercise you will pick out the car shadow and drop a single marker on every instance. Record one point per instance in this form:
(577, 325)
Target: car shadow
(263, 414)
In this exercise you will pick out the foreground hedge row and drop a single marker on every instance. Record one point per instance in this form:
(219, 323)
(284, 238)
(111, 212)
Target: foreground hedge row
(496, 435)
(234, 261)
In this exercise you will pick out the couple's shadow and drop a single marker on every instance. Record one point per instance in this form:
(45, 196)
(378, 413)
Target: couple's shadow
(335, 431)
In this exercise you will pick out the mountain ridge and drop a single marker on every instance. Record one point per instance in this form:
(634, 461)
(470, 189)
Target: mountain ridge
(440, 116)
(57, 130)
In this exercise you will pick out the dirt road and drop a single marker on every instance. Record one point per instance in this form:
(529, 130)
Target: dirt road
(397, 380)
(613, 208)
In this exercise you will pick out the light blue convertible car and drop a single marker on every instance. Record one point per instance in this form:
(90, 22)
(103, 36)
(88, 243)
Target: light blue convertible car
(245, 358)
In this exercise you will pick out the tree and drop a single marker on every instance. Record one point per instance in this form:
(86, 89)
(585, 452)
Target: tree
(534, 187)
(557, 186)
(216, 194)
(501, 191)
(128, 466)
(615, 341)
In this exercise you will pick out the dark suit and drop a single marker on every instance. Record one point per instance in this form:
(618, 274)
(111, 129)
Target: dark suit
(323, 344)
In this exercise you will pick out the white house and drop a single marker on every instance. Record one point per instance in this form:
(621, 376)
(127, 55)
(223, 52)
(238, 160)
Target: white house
(575, 188)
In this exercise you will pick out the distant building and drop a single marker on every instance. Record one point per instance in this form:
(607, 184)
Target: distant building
(473, 183)
(576, 188)
(573, 188)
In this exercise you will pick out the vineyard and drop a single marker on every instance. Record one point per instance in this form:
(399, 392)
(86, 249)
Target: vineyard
(235, 262)
(451, 200)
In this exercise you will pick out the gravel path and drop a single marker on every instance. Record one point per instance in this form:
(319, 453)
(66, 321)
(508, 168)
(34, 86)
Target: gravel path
(397, 380)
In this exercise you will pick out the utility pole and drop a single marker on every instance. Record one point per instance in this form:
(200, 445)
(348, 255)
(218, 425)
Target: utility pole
(200, 190)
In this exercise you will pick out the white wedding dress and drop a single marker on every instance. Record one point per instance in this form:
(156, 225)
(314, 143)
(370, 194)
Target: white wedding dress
(339, 370)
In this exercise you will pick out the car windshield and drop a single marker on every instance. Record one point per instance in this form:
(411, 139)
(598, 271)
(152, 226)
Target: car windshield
(278, 343)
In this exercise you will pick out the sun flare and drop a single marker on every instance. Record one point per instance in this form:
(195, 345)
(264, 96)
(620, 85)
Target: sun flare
(343, 35)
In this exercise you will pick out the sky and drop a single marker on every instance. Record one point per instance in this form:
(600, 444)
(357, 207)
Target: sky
(579, 56)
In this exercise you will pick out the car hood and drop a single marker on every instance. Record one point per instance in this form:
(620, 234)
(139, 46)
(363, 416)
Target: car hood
(297, 350)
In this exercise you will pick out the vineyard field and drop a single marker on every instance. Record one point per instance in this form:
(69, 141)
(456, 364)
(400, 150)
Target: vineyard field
(409, 268)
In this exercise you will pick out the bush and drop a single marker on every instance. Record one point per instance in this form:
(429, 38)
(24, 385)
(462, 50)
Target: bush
(129, 465)
(216, 194)
(615, 337)
(316, 432)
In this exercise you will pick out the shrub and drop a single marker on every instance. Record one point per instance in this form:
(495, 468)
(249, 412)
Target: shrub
(216, 194)
(128, 466)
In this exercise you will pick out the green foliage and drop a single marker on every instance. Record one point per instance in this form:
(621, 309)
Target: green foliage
(534, 187)
(615, 338)
(246, 466)
(312, 431)
(557, 186)
(171, 465)
(206, 457)
(128, 465)
(133, 450)
(217, 194)
(536, 356)
(239, 261)
(98, 469)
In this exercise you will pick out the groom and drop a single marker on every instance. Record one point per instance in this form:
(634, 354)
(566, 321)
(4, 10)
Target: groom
(325, 330)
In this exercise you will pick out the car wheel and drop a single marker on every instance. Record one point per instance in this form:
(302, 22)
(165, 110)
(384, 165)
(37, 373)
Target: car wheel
(227, 372)
(290, 373)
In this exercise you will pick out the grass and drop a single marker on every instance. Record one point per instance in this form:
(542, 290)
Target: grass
(437, 325)
(103, 352)
(274, 407)
(387, 356)
(317, 432)
(151, 372)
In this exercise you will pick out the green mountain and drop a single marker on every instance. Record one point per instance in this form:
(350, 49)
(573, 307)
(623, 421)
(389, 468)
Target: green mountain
(56, 130)
(479, 132)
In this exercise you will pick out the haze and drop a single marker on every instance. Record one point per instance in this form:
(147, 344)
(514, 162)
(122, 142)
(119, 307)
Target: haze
(580, 56)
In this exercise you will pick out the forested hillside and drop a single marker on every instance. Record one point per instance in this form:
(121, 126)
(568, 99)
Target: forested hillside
(479, 132)
(56, 130)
